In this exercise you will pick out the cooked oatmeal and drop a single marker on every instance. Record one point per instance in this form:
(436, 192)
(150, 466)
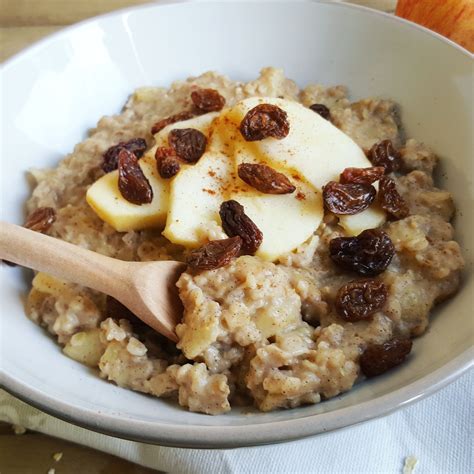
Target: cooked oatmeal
(253, 331)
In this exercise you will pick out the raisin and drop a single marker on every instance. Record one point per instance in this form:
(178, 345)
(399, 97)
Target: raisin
(263, 121)
(390, 200)
(360, 299)
(110, 158)
(361, 175)
(321, 110)
(347, 199)
(132, 183)
(41, 219)
(265, 179)
(384, 154)
(167, 162)
(115, 309)
(207, 100)
(370, 253)
(378, 358)
(215, 254)
(180, 117)
(188, 143)
(236, 222)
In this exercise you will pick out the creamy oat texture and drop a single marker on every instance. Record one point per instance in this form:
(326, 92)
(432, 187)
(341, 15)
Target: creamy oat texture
(253, 331)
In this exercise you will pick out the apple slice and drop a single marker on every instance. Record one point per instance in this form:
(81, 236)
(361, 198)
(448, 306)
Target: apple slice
(201, 123)
(106, 200)
(198, 192)
(372, 217)
(195, 197)
(108, 203)
(314, 148)
(285, 220)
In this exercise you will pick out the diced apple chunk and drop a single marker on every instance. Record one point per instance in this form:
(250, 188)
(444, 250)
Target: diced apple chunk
(50, 285)
(85, 347)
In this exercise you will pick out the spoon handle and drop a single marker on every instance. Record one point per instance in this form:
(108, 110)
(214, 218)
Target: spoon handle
(61, 259)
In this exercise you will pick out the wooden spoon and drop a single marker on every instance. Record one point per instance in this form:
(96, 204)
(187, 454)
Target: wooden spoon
(146, 288)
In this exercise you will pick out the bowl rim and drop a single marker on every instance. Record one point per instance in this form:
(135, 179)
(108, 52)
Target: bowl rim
(226, 437)
(201, 436)
(167, 3)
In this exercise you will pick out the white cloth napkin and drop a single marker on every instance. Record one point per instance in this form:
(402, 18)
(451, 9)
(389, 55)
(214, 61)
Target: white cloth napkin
(437, 431)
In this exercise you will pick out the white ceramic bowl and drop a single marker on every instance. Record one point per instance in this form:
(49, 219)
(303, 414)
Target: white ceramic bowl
(54, 91)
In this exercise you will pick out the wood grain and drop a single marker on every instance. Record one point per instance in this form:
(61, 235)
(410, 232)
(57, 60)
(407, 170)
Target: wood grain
(56, 12)
(32, 453)
(14, 39)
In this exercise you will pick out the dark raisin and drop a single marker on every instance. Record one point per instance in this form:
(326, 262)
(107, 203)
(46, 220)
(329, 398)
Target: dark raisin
(115, 309)
(41, 219)
(390, 200)
(360, 299)
(167, 162)
(236, 222)
(370, 253)
(361, 175)
(110, 158)
(180, 117)
(207, 100)
(188, 143)
(384, 154)
(265, 179)
(347, 199)
(321, 110)
(215, 254)
(132, 183)
(378, 358)
(263, 121)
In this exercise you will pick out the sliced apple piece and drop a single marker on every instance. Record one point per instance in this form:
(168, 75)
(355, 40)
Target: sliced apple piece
(285, 220)
(201, 123)
(195, 197)
(372, 217)
(314, 148)
(198, 191)
(106, 200)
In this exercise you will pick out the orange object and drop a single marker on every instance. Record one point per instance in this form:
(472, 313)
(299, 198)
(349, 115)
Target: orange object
(451, 18)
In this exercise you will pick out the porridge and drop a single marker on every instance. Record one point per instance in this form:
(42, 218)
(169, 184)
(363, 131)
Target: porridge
(316, 240)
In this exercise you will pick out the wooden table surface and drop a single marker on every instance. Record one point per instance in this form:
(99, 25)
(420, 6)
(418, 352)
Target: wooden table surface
(22, 22)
